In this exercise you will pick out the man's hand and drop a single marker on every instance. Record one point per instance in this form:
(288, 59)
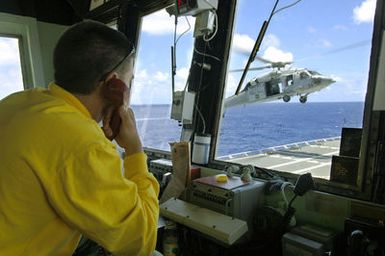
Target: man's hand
(107, 114)
(128, 137)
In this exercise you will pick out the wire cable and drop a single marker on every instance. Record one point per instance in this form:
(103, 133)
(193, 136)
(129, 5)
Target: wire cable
(283, 186)
(287, 6)
(207, 55)
(291, 201)
(203, 119)
(215, 29)
(198, 92)
(184, 32)
(173, 52)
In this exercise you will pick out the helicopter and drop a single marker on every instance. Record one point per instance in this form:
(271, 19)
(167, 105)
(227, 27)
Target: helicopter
(278, 84)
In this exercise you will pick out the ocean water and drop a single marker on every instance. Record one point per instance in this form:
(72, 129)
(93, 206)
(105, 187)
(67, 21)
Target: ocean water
(256, 126)
(155, 127)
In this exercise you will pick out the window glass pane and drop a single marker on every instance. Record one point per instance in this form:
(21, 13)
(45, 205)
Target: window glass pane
(315, 49)
(152, 88)
(11, 79)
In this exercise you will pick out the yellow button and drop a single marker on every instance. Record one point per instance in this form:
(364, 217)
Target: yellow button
(221, 178)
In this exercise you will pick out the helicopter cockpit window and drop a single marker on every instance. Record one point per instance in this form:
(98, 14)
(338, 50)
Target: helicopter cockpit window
(301, 128)
(312, 72)
(152, 90)
(303, 75)
(289, 80)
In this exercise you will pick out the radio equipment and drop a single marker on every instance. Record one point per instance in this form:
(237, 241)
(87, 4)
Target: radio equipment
(234, 198)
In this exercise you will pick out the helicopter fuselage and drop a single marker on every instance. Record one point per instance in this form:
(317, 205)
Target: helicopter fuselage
(280, 85)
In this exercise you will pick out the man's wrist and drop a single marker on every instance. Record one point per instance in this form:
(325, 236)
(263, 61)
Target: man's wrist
(130, 151)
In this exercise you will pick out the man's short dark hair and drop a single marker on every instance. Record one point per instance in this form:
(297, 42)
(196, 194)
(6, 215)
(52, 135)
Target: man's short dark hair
(85, 53)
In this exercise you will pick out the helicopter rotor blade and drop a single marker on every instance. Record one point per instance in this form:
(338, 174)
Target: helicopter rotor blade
(264, 60)
(255, 68)
(337, 50)
(274, 64)
(280, 64)
(260, 68)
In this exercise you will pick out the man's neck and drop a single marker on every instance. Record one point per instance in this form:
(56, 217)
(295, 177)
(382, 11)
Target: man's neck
(93, 103)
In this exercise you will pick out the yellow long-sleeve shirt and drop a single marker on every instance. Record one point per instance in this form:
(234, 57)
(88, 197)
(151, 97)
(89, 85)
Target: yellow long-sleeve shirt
(60, 177)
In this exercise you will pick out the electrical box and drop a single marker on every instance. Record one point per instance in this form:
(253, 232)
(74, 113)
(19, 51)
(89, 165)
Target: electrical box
(183, 106)
(234, 198)
(194, 7)
(204, 23)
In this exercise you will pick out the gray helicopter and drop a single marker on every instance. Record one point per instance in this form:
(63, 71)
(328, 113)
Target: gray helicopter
(280, 83)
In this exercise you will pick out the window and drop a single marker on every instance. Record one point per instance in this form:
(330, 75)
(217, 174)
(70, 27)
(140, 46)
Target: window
(152, 87)
(322, 66)
(11, 79)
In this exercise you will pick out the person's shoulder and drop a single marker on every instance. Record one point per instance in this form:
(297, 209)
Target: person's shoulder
(19, 96)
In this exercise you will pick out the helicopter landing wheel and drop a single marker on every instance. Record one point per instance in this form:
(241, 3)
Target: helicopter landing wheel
(303, 99)
(286, 98)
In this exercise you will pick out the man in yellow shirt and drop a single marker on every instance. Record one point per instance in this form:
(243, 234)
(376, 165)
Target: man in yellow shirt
(60, 176)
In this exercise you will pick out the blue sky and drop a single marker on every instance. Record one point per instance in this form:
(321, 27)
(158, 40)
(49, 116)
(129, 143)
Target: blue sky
(10, 70)
(304, 34)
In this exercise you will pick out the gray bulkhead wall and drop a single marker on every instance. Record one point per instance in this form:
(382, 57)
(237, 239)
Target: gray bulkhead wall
(48, 34)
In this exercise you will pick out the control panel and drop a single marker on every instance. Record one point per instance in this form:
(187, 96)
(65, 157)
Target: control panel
(159, 167)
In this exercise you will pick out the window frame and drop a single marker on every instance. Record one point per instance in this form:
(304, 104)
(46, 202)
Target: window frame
(370, 133)
(26, 30)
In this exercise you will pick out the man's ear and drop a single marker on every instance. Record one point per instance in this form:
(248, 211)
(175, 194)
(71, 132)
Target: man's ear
(105, 83)
(115, 91)
(110, 76)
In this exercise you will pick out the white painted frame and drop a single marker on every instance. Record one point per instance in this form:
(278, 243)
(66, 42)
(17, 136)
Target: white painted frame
(379, 96)
(26, 29)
